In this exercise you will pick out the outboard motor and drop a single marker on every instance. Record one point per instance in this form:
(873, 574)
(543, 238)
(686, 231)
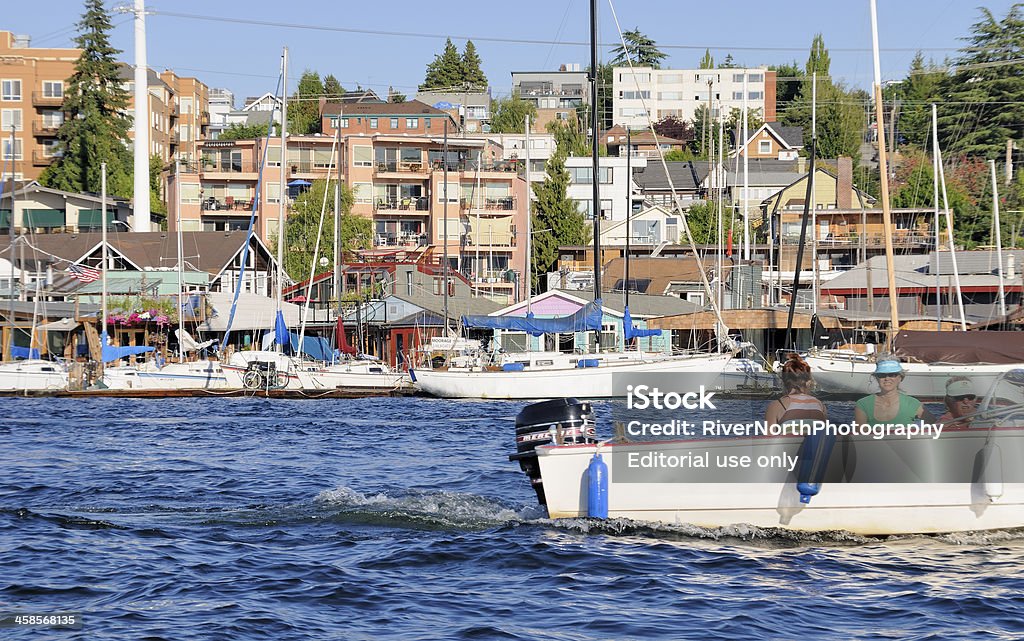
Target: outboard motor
(562, 421)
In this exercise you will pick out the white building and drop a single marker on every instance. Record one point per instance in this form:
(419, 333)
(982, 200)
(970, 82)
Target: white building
(613, 185)
(659, 93)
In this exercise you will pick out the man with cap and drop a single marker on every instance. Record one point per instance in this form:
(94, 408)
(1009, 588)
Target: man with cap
(961, 403)
(890, 406)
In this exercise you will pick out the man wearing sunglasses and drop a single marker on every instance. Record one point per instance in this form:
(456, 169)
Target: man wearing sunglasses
(961, 403)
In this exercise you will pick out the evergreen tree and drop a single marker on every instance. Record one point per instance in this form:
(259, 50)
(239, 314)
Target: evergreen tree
(95, 128)
(445, 71)
(818, 61)
(394, 96)
(472, 75)
(332, 88)
(238, 131)
(729, 62)
(921, 88)
(157, 202)
(604, 95)
(642, 51)
(788, 79)
(982, 107)
(508, 114)
(554, 211)
(570, 139)
(304, 105)
(708, 61)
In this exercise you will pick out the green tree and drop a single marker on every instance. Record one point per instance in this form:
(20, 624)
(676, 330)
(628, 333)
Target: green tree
(604, 95)
(509, 113)
(394, 96)
(922, 87)
(755, 119)
(702, 219)
(729, 62)
(640, 49)
(304, 220)
(982, 106)
(238, 131)
(95, 128)
(304, 105)
(445, 71)
(157, 203)
(570, 139)
(708, 61)
(555, 218)
(818, 61)
(332, 88)
(472, 75)
(788, 79)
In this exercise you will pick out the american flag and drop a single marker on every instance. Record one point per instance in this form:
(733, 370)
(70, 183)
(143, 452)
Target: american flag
(84, 274)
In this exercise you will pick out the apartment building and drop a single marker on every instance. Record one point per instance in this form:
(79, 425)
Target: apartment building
(646, 93)
(392, 156)
(32, 83)
(556, 94)
(189, 115)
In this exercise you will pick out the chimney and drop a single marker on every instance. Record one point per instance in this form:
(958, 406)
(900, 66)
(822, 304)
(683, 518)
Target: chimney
(801, 164)
(844, 183)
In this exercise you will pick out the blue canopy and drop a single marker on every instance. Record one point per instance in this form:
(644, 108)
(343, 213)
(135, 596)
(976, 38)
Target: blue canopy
(588, 318)
(313, 346)
(630, 331)
(111, 353)
(280, 329)
(24, 352)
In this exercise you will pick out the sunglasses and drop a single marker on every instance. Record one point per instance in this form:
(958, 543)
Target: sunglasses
(965, 397)
(886, 375)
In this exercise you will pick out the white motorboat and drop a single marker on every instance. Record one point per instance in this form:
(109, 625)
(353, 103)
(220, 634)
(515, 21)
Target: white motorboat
(32, 374)
(202, 374)
(972, 492)
(359, 374)
(554, 374)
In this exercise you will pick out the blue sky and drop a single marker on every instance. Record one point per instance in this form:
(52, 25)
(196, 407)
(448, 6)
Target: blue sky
(245, 57)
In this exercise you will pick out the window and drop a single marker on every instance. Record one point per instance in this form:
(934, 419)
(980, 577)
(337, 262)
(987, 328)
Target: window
(186, 132)
(190, 193)
(273, 156)
(53, 118)
(764, 146)
(51, 149)
(670, 79)
(757, 95)
(634, 95)
(587, 207)
(53, 89)
(737, 95)
(363, 192)
(273, 193)
(186, 105)
(412, 123)
(343, 123)
(362, 156)
(514, 341)
(10, 118)
(10, 90)
(373, 123)
(583, 175)
(394, 123)
(426, 123)
(453, 192)
(670, 95)
(562, 115)
(7, 149)
(608, 340)
(737, 77)
(755, 77)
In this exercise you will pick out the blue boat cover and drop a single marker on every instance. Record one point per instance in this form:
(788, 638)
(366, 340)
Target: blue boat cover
(630, 331)
(111, 353)
(588, 318)
(24, 352)
(280, 329)
(315, 347)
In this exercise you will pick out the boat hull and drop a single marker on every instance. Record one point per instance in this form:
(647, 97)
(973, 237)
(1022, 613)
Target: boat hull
(842, 374)
(862, 508)
(32, 375)
(595, 382)
(195, 375)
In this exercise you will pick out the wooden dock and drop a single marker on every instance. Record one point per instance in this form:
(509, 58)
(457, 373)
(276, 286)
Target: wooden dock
(340, 392)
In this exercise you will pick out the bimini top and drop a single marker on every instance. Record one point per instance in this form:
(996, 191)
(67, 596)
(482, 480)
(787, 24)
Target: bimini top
(588, 318)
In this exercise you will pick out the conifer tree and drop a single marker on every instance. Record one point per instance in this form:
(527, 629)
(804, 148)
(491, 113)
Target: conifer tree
(304, 105)
(445, 71)
(640, 49)
(708, 61)
(95, 128)
(332, 88)
(555, 218)
(472, 75)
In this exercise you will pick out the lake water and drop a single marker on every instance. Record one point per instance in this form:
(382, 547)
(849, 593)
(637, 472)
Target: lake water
(403, 519)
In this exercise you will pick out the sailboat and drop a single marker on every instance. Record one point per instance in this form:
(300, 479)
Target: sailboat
(861, 484)
(550, 374)
(930, 358)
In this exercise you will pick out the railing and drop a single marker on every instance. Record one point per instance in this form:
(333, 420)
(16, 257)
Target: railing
(510, 166)
(43, 129)
(400, 240)
(901, 237)
(40, 99)
(400, 167)
(239, 167)
(489, 204)
(310, 167)
(213, 204)
(405, 204)
(41, 160)
(489, 240)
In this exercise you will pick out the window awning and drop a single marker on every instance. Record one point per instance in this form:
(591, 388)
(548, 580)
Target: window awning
(44, 218)
(491, 231)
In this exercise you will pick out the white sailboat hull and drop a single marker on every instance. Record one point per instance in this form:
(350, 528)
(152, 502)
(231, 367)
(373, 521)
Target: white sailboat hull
(359, 375)
(194, 375)
(291, 374)
(848, 374)
(863, 508)
(594, 382)
(32, 375)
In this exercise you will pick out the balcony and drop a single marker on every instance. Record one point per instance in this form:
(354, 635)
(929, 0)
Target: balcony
(39, 159)
(502, 166)
(44, 129)
(228, 206)
(502, 240)
(40, 99)
(400, 240)
(489, 204)
(401, 167)
(236, 167)
(416, 206)
(312, 169)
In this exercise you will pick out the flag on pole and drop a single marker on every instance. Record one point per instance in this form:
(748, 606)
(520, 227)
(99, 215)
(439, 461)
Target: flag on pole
(84, 274)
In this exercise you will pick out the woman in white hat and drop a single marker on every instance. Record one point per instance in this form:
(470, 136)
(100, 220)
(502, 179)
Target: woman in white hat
(889, 406)
(961, 402)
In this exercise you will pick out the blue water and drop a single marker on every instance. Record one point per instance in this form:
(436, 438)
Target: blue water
(403, 519)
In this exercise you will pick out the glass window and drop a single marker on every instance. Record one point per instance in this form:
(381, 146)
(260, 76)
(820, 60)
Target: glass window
(363, 192)
(412, 123)
(737, 95)
(394, 123)
(10, 90)
(53, 88)
(10, 118)
(7, 149)
(583, 175)
(344, 123)
(53, 118)
(757, 95)
(273, 156)
(755, 77)
(426, 123)
(411, 154)
(186, 105)
(737, 77)
(587, 207)
(453, 192)
(273, 193)
(373, 123)
(362, 156)
(764, 147)
(190, 193)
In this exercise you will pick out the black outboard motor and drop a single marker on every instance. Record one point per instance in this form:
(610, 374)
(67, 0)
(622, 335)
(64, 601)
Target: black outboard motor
(563, 421)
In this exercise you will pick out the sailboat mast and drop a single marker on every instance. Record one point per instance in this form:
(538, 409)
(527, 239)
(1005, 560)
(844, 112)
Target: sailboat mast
(629, 208)
(999, 240)
(338, 254)
(949, 222)
(883, 168)
(595, 178)
(938, 227)
(181, 257)
(814, 215)
(103, 249)
(444, 191)
(283, 195)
